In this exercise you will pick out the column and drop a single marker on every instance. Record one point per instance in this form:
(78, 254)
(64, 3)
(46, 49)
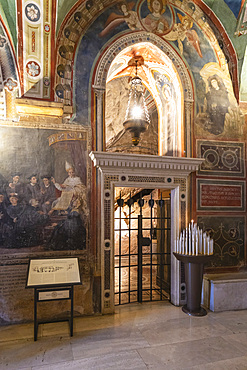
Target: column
(99, 119)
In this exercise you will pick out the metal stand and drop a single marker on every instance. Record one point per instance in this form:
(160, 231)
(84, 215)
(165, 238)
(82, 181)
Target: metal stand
(52, 291)
(193, 280)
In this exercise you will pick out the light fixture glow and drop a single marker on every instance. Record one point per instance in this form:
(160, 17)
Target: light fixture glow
(136, 111)
(137, 117)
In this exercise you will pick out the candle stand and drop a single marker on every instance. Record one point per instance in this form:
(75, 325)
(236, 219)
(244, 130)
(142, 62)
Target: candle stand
(193, 280)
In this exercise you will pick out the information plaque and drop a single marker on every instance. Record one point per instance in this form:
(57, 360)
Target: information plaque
(53, 271)
(53, 279)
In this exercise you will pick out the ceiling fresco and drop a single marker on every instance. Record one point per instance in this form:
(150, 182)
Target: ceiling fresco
(61, 42)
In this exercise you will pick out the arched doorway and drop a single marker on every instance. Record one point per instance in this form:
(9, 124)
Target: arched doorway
(167, 81)
(164, 96)
(169, 70)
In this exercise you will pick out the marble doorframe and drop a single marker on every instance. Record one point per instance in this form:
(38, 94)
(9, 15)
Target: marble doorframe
(135, 170)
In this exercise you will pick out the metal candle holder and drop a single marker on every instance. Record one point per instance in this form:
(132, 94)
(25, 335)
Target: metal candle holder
(194, 248)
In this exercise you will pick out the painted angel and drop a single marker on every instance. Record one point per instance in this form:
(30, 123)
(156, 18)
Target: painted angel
(129, 16)
(183, 30)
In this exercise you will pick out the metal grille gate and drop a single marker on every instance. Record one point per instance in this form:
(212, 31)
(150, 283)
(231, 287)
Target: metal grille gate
(142, 233)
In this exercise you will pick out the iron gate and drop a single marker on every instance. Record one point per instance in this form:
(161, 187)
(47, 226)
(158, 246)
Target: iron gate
(142, 235)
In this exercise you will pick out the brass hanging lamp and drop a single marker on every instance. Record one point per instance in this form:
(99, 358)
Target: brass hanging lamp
(136, 117)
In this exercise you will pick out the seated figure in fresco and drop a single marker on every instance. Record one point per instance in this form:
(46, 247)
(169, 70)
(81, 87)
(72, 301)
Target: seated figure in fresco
(5, 221)
(14, 210)
(70, 233)
(15, 187)
(30, 224)
(217, 104)
(67, 189)
(27, 224)
(48, 194)
(155, 22)
(32, 190)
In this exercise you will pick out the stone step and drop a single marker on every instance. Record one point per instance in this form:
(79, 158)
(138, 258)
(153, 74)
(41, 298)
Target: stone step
(225, 292)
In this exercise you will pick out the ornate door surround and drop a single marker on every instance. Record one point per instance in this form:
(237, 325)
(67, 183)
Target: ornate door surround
(135, 170)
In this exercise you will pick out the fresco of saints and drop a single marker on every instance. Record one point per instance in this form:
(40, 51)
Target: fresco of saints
(129, 17)
(155, 22)
(183, 30)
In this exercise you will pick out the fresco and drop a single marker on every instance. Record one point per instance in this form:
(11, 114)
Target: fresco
(235, 6)
(228, 235)
(218, 111)
(159, 17)
(43, 190)
(242, 20)
(170, 107)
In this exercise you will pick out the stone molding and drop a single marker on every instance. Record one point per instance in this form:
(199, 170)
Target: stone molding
(141, 164)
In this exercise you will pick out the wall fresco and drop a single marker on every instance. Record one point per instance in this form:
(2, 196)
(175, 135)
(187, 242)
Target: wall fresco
(218, 112)
(44, 190)
(229, 239)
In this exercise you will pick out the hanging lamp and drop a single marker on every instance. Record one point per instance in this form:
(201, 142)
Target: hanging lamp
(136, 117)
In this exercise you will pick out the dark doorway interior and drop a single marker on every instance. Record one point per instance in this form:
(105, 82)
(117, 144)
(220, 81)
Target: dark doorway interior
(142, 234)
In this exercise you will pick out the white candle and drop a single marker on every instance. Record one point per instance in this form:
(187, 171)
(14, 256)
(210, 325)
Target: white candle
(186, 242)
(189, 242)
(193, 244)
(197, 244)
(180, 243)
(208, 245)
(183, 241)
(211, 246)
(192, 222)
(204, 243)
(200, 241)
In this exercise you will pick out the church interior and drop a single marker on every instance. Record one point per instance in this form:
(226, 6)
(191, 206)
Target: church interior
(123, 132)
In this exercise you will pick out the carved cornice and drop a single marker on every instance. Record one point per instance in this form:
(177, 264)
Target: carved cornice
(44, 124)
(149, 165)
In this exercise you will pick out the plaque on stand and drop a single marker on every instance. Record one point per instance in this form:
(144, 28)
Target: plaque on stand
(53, 279)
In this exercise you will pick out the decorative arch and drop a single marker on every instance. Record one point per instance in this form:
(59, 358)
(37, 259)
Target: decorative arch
(84, 13)
(102, 66)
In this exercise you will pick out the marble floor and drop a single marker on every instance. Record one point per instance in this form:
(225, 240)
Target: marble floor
(138, 336)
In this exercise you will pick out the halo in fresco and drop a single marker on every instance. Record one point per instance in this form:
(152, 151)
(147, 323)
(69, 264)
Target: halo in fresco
(159, 18)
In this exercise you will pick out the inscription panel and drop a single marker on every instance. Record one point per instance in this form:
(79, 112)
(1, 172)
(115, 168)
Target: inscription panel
(220, 195)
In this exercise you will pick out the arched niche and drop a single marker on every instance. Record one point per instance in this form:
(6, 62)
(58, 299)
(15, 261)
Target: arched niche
(164, 97)
(181, 76)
